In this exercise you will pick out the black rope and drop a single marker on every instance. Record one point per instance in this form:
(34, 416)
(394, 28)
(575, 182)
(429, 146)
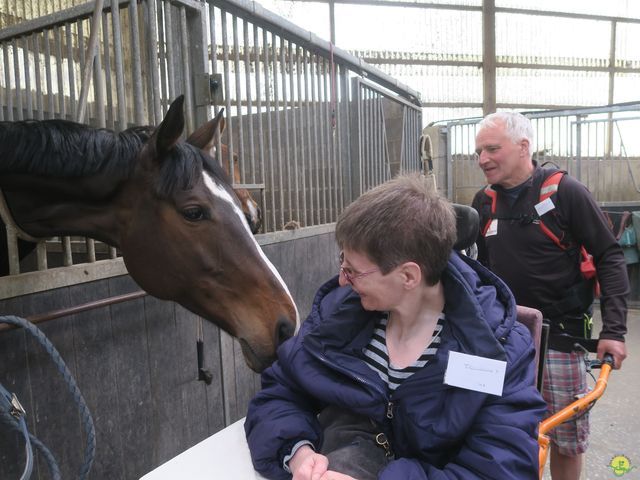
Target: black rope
(87, 420)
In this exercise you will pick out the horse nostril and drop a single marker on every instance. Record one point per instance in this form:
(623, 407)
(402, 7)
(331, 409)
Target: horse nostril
(284, 331)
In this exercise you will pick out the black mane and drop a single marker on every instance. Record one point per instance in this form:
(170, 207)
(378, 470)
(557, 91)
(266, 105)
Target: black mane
(60, 148)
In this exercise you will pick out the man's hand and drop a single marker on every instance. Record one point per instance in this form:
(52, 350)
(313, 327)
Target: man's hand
(616, 348)
(306, 464)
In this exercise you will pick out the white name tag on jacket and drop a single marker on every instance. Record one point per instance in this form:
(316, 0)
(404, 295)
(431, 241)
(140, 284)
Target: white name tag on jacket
(493, 228)
(475, 373)
(544, 206)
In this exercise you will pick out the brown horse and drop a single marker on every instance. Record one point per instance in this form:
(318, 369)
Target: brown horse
(166, 204)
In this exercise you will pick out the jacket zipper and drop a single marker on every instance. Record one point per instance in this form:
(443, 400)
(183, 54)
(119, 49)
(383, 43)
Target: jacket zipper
(381, 438)
(357, 378)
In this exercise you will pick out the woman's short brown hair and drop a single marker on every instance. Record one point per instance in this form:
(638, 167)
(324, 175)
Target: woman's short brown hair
(402, 220)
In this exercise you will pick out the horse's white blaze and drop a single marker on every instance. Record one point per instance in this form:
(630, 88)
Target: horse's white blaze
(220, 192)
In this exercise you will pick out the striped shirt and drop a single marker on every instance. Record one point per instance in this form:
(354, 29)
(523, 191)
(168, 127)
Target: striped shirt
(377, 355)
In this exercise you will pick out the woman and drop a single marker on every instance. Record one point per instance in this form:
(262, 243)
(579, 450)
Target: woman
(372, 357)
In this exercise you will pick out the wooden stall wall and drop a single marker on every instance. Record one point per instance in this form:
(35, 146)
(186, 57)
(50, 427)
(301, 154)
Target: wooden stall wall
(136, 366)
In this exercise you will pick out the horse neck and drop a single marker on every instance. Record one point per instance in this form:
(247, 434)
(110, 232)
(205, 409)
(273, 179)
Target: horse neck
(82, 196)
(45, 207)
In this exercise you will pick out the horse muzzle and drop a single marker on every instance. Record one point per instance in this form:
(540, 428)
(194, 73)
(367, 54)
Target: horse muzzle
(258, 361)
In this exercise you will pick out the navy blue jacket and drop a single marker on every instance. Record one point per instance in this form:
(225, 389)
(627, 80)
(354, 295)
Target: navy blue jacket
(437, 431)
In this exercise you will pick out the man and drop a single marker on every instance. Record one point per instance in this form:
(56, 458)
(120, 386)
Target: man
(542, 274)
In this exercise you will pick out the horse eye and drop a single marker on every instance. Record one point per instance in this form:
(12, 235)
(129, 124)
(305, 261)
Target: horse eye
(193, 214)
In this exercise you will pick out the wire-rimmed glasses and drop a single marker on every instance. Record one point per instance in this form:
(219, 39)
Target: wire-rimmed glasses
(351, 275)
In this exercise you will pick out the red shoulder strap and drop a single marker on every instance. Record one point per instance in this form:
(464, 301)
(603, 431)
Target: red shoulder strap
(550, 185)
(547, 189)
(493, 195)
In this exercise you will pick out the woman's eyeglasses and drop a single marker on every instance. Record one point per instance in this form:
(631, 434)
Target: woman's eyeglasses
(350, 274)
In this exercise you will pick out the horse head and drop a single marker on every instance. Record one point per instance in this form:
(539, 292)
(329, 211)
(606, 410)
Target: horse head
(187, 240)
(165, 203)
(204, 138)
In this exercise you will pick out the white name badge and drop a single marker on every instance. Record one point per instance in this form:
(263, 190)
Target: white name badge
(544, 206)
(475, 373)
(493, 228)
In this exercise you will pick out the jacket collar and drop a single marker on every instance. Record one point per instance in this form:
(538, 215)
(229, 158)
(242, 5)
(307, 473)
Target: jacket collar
(480, 312)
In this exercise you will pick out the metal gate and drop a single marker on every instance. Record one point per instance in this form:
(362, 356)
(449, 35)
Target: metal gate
(308, 128)
(386, 141)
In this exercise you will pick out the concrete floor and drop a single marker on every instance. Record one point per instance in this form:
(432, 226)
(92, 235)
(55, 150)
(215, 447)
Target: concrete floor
(615, 419)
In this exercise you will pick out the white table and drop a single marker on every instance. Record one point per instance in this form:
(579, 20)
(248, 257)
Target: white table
(224, 455)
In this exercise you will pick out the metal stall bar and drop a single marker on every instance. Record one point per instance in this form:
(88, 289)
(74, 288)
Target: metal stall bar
(247, 68)
(238, 96)
(306, 134)
(136, 60)
(45, 317)
(317, 110)
(268, 88)
(345, 147)
(330, 139)
(121, 101)
(324, 135)
(259, 169)
(278, 187)
(186, 70)
(302, 161)
(287, 208)
(316, 206)
(336, 167)
(167, 53)
(91, 51)
(227, 86)
(293, 83)
(213, 60)
(106, 54)
(7, 79)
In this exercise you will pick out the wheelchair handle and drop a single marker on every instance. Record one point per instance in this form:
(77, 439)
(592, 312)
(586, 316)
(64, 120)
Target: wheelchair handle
(607, 360)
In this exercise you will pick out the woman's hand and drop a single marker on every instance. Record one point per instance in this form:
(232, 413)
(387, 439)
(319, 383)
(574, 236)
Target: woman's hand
(306, 464)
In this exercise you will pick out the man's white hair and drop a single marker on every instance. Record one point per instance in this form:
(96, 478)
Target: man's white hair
(517, 126)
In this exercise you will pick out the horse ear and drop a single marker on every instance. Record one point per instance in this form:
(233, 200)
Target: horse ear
(170, 130)
(204, 137)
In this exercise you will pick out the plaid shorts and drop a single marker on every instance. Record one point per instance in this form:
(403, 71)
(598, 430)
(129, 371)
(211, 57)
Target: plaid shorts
(564, 377)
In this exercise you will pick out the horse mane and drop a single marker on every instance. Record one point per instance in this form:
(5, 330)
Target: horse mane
(61, 148)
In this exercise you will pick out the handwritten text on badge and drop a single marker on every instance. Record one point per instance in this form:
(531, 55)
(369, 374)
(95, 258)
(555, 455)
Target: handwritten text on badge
(475, 373)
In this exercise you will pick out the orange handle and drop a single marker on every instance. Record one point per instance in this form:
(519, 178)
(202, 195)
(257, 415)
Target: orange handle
(572, 410)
